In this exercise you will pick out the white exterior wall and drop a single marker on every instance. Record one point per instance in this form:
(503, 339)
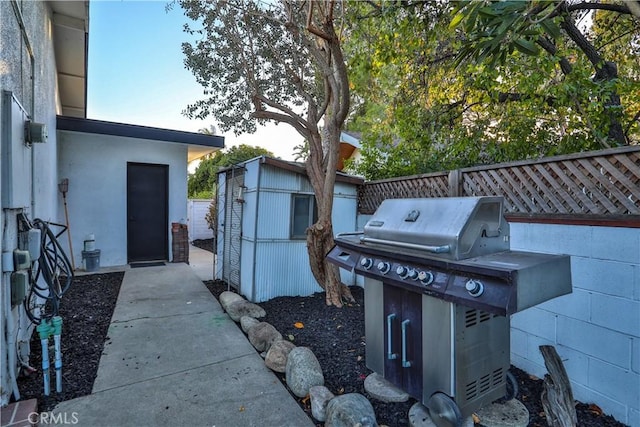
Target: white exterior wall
(96, 166)
(595, 329)
(197, 210)
(41, 104)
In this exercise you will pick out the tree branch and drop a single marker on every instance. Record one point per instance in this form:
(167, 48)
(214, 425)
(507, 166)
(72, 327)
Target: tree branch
(620, 8)
(547, 45)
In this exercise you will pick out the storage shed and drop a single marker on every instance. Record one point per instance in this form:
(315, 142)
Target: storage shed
(264, 207)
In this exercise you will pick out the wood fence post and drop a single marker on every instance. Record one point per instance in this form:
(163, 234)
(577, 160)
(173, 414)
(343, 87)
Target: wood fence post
(455, 183)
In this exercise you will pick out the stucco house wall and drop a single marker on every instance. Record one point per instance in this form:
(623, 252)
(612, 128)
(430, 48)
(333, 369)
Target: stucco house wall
(96, 166)
(39, 100)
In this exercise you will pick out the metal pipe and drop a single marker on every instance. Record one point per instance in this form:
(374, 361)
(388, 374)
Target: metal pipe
(10, 217)
(433, 249)
(44, 330)
(57, 334)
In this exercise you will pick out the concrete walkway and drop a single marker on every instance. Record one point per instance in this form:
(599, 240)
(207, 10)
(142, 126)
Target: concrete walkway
(175, 358)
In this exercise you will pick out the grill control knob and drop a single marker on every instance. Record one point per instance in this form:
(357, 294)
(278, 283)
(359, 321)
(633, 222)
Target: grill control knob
(366, 263)
(403, 272)
(474, 287)
(384, 267)
(413, 274)
(425, 277)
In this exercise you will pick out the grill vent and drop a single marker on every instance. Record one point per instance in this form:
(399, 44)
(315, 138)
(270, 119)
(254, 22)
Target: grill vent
(473, 317)
(483, 384)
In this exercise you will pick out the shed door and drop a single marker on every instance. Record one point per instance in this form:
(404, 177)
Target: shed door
(147, 212)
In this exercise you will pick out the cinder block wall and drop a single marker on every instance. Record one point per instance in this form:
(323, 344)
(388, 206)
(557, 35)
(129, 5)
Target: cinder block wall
(596, 329)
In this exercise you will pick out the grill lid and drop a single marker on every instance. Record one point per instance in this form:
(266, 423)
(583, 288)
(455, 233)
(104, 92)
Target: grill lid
(451, 227)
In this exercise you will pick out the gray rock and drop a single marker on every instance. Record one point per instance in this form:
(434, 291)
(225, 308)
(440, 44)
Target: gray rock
(319, 396)
(237, 309)
(227, 297)
(262, 335)
(246, 322)
(419, 417)
(383, 390)
(349, 410)
(303, 371)
(276, 358)
(511, 413)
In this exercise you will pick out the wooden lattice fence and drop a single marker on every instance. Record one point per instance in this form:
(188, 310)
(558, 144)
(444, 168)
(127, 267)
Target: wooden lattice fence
(595, 185)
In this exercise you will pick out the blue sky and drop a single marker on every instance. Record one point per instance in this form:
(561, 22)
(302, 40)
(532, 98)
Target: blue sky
(136, 73)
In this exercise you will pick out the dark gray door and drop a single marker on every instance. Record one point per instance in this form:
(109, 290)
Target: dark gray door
(147, 212)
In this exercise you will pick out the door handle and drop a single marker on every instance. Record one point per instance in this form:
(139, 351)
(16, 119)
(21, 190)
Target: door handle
(390, 354)
(405, 362)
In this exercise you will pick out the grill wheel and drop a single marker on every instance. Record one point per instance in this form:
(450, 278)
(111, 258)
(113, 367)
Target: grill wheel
(444, 411)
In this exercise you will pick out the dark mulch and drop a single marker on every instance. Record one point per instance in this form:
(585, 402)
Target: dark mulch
(86, 311)
(336, 336)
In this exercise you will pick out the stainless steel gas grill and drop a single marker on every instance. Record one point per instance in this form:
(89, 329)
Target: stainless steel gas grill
(440, 283)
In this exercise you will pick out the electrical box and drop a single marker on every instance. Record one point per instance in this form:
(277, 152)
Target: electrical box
(33, 243)
(18, 287)
(16, 155)
(35, 132)
(21, 259)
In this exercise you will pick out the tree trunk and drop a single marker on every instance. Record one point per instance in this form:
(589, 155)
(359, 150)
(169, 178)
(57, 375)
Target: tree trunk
(319, 243)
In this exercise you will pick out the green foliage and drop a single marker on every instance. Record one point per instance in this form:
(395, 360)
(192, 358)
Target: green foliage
(441, 85)
(201, 184)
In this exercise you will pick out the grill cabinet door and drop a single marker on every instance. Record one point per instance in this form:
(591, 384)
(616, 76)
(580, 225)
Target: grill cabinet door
(403, 339)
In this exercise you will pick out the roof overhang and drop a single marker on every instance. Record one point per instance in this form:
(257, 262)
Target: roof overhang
(71, 41)
(294, 167)
(199, 144)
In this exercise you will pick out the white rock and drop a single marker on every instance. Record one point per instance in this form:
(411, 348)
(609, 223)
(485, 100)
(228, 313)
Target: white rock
(349, 410)
(303, 371)
(262, 335)
(276, 358)
(246, 322)
(319, 396)
(227, 297)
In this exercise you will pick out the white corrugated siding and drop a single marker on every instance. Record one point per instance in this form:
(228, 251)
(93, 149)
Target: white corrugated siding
(282, 268)
(272, 265)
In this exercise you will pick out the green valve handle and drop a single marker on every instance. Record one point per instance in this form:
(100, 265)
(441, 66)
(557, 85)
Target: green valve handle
(56, 325)
(44, 330)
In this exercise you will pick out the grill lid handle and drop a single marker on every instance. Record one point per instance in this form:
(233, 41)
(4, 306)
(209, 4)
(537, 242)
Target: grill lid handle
(433, 249)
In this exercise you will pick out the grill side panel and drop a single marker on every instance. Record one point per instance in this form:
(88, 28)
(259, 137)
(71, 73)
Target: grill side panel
(481, 355)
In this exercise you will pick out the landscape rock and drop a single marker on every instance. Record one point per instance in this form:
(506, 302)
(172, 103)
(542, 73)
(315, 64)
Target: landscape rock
(348, 410)
(383, 390)
(227, 297)
(303, 371)
(511, 413)
(419, 417)
(276, 358)
(319, 396)
(237, 309)
(262, 335)
(246, 322)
